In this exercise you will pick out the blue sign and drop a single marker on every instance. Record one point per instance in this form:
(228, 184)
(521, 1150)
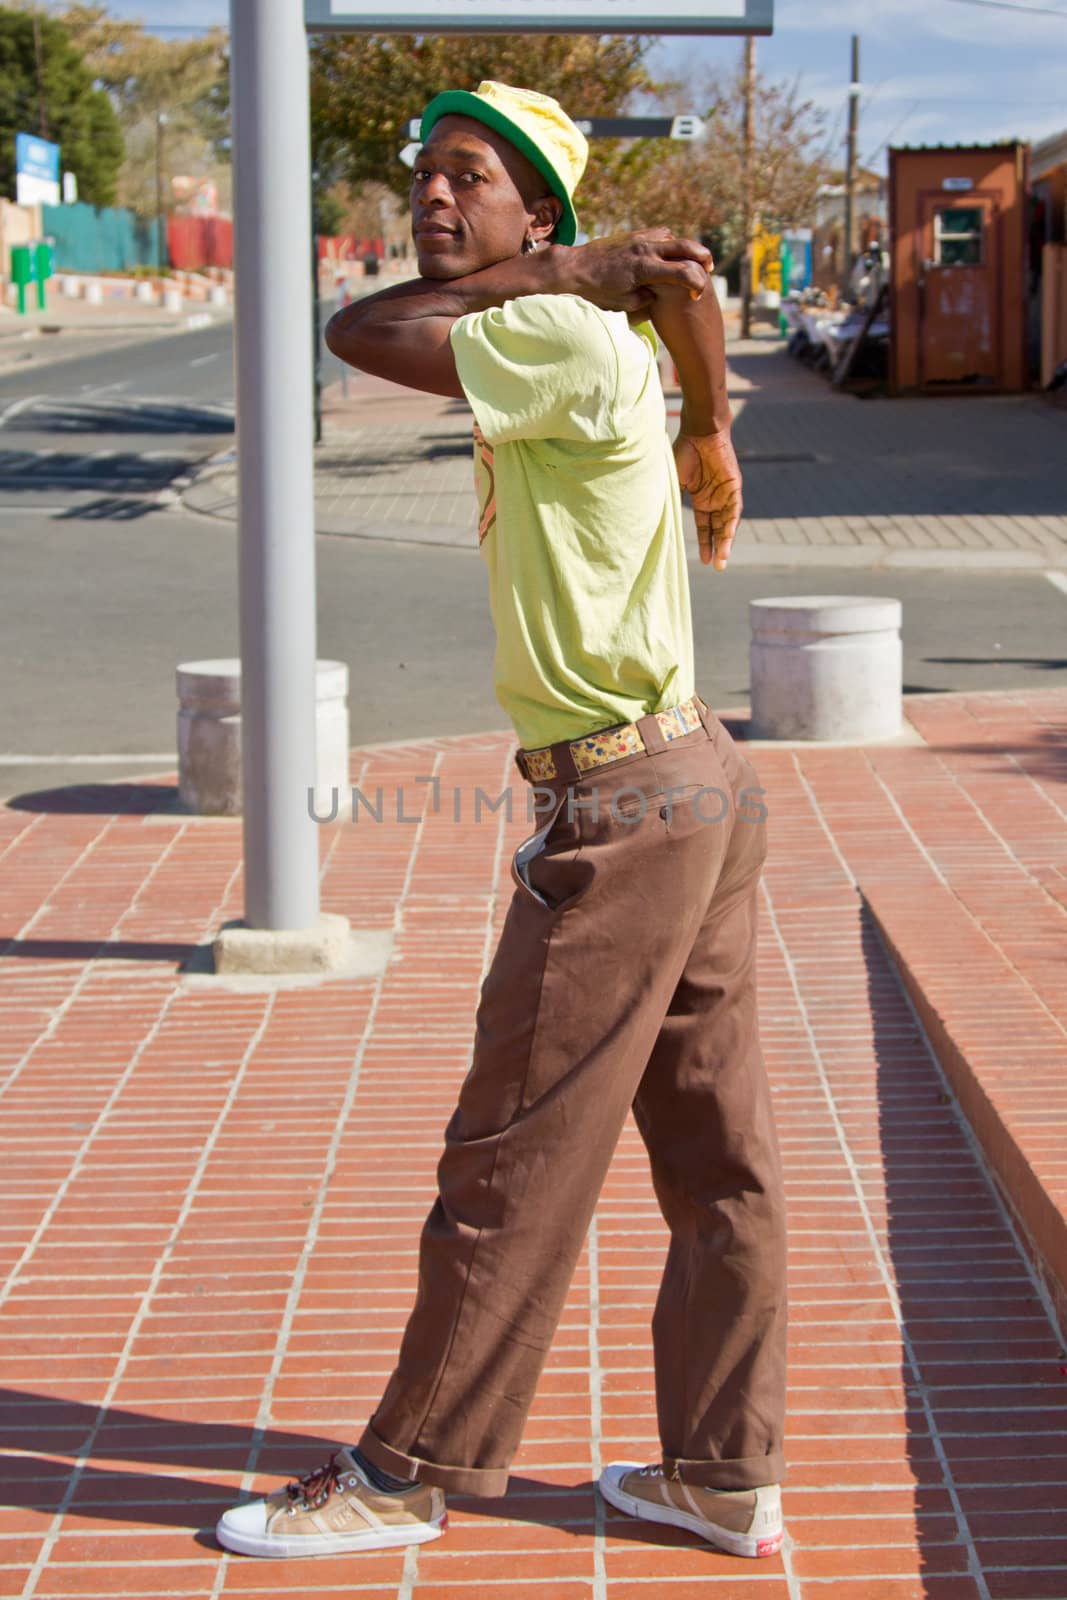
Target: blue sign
(36, 158)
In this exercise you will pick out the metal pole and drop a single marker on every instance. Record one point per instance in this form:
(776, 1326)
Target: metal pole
(850, 169)
(161, 118)
(748, 180)
(42, 109)
(276, 548)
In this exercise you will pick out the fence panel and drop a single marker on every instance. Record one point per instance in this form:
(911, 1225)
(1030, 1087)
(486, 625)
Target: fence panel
(195, 242)
(99, 238)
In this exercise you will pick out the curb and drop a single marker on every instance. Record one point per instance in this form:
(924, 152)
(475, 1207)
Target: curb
(1040, 1222)
(204, 495)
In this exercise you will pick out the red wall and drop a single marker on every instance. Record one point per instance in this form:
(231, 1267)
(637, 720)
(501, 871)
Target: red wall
(194, 242)
(346, 247)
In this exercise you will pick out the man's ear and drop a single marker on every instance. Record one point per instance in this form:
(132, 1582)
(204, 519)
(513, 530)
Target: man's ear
(545, 214)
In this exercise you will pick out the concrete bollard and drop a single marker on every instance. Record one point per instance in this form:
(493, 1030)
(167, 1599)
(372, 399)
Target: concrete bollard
(209, 738)
(826, 667)
(172, 300)
(145, 292)
(71, 287)
(94, 294)
(217, 295)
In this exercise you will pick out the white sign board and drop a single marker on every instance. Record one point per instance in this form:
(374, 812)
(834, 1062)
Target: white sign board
(36, 171)
(542, 16)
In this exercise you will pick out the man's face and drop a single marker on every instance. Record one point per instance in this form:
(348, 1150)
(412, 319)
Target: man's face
(467, 199)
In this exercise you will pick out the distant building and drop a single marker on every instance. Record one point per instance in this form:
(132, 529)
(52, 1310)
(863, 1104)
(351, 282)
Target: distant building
(1048, 171)
(871, 206)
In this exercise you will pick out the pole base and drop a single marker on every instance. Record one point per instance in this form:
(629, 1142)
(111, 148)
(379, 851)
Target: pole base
(330, 948)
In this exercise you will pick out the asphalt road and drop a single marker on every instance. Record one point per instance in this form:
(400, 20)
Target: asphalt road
(108, 585)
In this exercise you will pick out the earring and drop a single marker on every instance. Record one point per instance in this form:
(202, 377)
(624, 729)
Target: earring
(528, 246)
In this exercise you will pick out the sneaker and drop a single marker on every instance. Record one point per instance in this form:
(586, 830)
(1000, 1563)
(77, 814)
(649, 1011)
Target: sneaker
(744, 1522)
(330, 1511)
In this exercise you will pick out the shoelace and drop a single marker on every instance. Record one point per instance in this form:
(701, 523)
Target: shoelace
(312, 1491)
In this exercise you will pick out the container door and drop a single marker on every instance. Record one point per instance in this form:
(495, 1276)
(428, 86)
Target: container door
(959, 319)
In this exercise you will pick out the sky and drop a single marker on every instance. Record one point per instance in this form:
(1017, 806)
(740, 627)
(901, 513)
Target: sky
(933, 71)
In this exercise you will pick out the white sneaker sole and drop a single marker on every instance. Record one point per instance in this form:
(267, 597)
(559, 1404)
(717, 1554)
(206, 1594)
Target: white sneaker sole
(322, 1544)
(734, 1544)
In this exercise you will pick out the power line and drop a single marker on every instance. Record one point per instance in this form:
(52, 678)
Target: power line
(1009, 5)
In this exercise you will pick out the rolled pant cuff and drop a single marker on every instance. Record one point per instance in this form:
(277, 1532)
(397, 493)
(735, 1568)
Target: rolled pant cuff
(750, 1472)
(487, 1482)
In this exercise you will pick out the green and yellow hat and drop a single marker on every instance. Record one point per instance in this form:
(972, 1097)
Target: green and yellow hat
(535, 124)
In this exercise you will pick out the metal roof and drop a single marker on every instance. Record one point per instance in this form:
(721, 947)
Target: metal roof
(998, 144)
(1049, 153)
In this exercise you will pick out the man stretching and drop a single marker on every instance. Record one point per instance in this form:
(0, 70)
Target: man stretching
(624, 977)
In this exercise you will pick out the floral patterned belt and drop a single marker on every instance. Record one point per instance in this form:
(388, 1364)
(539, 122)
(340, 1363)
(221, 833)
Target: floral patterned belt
(609, 744)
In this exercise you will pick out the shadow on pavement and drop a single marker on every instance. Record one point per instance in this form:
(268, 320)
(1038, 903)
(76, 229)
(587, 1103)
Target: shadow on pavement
(94, 950)
(1044, 758)
(979, 1366)
(102, 799)
(1040, 663)
(956, 457)
(105, 415)
(120, 471)
(159, 1497)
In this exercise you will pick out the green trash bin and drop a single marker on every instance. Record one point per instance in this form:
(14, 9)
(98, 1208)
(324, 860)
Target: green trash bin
(21, 272)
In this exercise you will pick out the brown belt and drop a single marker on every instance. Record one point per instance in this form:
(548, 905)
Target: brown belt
(609, 744)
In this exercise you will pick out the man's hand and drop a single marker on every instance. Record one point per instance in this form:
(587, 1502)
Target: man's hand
(622, 272)
(709, 473)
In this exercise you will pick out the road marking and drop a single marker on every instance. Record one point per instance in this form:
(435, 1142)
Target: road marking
(18, 405)
(1058, 580)
(202, 360)
(104, 388)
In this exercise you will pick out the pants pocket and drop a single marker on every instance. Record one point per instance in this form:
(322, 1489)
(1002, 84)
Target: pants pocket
(545, 868)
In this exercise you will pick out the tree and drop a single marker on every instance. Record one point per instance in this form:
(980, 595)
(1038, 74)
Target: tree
(46, 89)
(365, 88)
(185, 80)
(699, 188)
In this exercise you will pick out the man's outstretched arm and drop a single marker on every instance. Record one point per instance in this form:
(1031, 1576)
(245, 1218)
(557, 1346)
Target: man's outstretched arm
(403, 333)
(693, 332)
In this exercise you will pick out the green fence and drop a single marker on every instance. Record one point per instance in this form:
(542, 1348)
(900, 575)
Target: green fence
(99, 239)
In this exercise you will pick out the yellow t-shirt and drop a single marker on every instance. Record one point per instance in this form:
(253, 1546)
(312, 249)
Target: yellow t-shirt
(581, 518)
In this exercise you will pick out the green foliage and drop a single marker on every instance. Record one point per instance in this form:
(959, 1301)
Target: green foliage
(700, 188)
(365, 88)
(331, 213)
(63, 105)
(184, 81)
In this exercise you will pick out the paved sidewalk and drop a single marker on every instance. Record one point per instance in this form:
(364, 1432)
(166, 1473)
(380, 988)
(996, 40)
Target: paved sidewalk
(212, 1194)
(829, 479)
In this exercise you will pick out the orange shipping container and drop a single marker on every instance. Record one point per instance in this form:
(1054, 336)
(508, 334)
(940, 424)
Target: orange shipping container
(958, 220)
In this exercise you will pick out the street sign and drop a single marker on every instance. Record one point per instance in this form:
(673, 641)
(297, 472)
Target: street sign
(542, 16)
(616, 128)
(36, 171)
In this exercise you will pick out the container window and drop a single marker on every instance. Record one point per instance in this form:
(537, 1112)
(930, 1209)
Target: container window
(958, 236)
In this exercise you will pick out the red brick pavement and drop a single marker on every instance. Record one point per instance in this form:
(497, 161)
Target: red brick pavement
(212, 1197)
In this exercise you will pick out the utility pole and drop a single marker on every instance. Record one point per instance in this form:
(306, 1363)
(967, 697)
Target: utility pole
(850, 169)
(42, 109)
(161, 122)
(748, 186)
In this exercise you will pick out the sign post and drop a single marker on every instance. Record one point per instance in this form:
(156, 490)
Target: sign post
(276, 511)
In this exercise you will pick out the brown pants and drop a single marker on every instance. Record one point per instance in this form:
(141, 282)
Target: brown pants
(624, 978)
